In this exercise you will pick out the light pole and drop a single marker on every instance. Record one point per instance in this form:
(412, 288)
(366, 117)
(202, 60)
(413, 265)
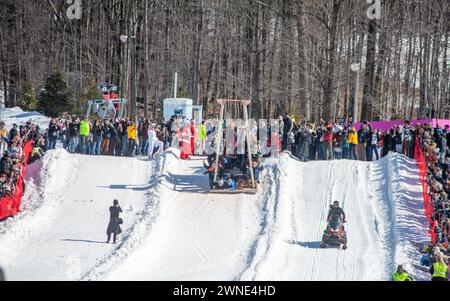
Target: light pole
(355, 68)
(133, 91)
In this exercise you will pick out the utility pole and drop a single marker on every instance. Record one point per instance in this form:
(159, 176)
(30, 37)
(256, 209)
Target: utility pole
(355, 68)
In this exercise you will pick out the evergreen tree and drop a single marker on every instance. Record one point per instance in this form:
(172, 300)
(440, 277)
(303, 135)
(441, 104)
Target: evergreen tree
(56, 97)
(28, 100)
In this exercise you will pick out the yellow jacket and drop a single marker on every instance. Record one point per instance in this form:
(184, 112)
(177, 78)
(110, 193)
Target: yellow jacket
(353, 137)
(4, 133)
(132, 132)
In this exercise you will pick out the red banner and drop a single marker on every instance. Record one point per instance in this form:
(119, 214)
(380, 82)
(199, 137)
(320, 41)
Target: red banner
(429, 210)
(10, 205)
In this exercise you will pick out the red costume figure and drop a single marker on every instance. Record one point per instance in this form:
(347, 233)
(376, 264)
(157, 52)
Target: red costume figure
(193, 136)
(185, 143)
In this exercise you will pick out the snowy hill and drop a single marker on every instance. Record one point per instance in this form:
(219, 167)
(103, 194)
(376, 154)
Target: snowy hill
(175, 230)
(17, 116)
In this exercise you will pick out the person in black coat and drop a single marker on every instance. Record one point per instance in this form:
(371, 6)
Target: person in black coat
(2, 276)
(114, 222)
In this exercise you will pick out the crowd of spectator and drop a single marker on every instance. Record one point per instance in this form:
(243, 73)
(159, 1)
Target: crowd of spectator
(437, 159)
(12, 153)
(339, 140)
(118, 137)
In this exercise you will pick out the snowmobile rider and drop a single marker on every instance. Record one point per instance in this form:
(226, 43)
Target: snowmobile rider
(401, 275)
(336, 212)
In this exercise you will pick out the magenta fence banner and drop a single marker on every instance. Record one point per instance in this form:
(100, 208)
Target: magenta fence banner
(386, 125)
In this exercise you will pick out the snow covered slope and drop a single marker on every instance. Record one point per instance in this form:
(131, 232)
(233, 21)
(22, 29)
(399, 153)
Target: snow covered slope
(376, 198)
(175, 230)
(61, 232)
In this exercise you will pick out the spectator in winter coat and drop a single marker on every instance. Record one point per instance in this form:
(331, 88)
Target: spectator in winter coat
(287, 129)
(363, 138)
(345, 145)
(441, 145)
(74, 128)
(3, 138)
(337, 145)
(85, 131)
(132, 138)
(97, 134)
(353, 142)
(5, 163)
(53, 131)
(407, 139)
(144, 136)
(373, 146)
(201, 136)
(388, 142)
(401, 275)
(328, 142)
(113, 141)
(13, 132)
(114, 222)
(439, 269)
(106, 133)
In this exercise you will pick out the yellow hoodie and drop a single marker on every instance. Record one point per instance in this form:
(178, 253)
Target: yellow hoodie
(132, 132)
(353, 137)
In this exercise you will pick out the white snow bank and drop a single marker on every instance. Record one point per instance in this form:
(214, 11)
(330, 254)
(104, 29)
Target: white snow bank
(17, 116)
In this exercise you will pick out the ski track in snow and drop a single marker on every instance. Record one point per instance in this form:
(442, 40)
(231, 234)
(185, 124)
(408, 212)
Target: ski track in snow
(175, 230)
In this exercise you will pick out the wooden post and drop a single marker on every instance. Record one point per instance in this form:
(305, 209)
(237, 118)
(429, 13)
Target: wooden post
(247, 134)
(218, 140)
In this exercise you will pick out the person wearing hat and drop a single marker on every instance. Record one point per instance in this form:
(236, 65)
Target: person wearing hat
(401, 274)
(114, 222)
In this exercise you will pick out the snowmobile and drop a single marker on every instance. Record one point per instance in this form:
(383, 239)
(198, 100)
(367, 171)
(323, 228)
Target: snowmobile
(335, 235)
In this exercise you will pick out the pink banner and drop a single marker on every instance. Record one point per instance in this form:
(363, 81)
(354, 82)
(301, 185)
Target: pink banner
(386, 125)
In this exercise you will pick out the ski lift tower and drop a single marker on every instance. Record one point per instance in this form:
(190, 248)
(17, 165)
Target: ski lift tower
(219, 137)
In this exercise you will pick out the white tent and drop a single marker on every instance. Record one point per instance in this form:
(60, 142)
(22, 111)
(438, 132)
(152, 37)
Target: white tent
(171, 105)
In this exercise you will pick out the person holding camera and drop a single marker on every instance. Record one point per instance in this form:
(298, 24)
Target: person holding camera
(114, 222)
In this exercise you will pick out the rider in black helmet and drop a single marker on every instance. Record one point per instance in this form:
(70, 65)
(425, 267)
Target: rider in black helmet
(336, 212)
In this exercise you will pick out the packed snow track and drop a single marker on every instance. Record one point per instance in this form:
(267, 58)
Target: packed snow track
(175, 230)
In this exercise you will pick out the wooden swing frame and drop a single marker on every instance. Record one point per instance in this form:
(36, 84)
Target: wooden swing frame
(219, 137)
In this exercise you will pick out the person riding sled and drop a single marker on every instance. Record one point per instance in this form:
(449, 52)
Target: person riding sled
(336, 212)
(336, 216)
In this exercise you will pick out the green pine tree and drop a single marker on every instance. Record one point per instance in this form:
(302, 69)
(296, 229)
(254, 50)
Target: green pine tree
(56, 96)
(28, 100)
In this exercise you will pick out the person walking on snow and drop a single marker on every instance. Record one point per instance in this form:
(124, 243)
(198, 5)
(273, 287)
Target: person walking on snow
(114, 222)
